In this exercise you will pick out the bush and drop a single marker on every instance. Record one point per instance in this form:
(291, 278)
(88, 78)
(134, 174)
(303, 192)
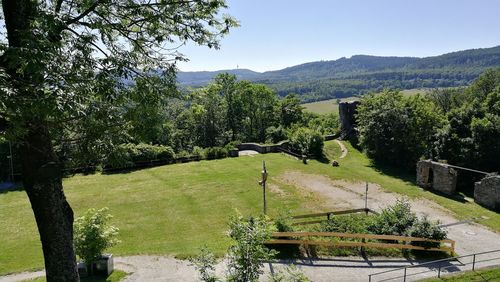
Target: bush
(275, 134)
(246, 257)
(126, 155)
(397, 219)
(213, 153)
(307, 141)
(92, 235)
(346, 224)
(205, 265)
(424, 228)
(197, 151)
(283, 222)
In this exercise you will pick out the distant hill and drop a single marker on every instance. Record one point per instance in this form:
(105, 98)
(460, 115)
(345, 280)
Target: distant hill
(198, 78)
(359, 74)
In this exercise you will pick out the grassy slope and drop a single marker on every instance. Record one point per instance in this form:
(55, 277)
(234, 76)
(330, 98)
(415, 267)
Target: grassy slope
(331, 106)
(479, 275)
(178, 208)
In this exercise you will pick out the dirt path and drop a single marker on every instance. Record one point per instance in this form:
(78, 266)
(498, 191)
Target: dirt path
(343, 149)
(341, 194)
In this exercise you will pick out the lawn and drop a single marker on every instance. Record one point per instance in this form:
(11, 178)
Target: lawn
(491, 275)
(176, 209)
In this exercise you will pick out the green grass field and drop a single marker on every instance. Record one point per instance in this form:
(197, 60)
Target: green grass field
(331, 106)
(326, 106)
(490, 275)
(176, 209)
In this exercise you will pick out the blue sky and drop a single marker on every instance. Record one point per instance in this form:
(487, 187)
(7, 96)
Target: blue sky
(279, 33)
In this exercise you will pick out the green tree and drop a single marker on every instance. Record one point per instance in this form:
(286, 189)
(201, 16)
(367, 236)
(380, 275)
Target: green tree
(290, 110)
(62, 62)
(396, 129)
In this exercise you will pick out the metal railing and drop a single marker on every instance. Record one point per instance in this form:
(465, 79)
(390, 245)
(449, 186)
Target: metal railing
(438, 266)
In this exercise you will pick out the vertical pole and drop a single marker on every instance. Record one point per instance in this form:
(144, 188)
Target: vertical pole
(264, 179)
(366, 199)
(370, 278)
(473, 262)
(11, 163)
(404, 277)
(439, 271)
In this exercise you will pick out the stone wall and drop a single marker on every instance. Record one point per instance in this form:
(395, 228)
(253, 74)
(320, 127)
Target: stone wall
(487, 192)
(347, 112)
(436, 176)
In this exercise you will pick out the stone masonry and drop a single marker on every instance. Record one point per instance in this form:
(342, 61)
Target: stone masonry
(436, 176)
(347, 112)
(487, 192)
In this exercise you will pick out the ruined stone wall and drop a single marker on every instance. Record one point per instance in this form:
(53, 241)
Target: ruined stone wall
(436, 176)
(347, 112)
(487, 192)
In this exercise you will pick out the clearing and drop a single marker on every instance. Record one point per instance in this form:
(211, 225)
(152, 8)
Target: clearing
(174, 210)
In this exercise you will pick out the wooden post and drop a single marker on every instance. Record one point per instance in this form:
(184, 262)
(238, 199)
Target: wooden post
(366, 199)
(263, 184)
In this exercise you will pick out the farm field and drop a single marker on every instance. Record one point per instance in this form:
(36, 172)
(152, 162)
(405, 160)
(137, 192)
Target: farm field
(331, 106)
(177, 209)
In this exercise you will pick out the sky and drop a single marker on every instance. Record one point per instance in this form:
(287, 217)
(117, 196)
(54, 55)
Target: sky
(275, 34)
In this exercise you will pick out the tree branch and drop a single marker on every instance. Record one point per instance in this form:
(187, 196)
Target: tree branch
(85, 13)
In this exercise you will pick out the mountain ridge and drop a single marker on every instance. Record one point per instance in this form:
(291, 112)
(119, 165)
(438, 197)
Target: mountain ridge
(359, 74)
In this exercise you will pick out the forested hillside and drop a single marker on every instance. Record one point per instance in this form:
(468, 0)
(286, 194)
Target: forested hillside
(360, 74)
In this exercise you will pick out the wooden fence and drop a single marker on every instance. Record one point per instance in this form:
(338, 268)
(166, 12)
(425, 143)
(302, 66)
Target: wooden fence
(327, 215)
(291, 238)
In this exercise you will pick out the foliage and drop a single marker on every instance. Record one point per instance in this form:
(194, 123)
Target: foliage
(275, 134)
(397, 219)
(397, 130)
(469, 137)
(93, 235)
(425, 228)
(307, 141)
(213, 153)
(246, 257)
(289, 273)
(346, 224)
(204, 263)
(325, 124)
(127, 155)
(290, 110)
(283, 222)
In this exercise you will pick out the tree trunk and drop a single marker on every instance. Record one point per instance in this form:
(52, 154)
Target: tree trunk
(54, 217)
(41, 171)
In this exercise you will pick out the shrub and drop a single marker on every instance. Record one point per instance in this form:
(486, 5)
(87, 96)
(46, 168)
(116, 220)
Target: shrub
(275, 134)
(213, 153)
(246, 257)
(120, 157)
(205, 265)
(197, 151)
(346, 224)
(424, 228)
(92, 235)
(397, 219)
(126, 155)
(307, 141)
(283, 222)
